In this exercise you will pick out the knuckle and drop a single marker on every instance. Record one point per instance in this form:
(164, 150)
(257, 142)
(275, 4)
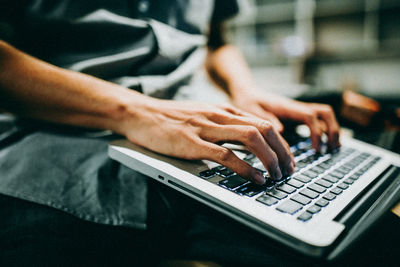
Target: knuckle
(266, 126)
(311, 115)
(224, 154)
(327, 108)
(192, 120)
(225, 106)
(252, 133)
(269, 131)
(213, 115)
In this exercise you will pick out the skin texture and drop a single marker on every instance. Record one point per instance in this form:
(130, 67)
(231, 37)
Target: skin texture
(230, 70)
(186, 130)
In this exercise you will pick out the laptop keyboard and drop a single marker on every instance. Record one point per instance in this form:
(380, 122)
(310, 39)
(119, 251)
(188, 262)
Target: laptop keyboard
(318, 180)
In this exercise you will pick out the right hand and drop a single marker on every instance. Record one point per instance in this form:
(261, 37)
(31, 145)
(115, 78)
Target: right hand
(191, 130)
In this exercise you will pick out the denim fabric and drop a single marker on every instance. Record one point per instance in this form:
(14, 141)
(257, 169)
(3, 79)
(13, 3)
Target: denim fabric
(69, 169)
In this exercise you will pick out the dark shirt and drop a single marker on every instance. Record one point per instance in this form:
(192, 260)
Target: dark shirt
(150, 46)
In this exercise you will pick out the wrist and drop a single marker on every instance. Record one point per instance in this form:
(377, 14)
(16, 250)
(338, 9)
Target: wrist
(239, 91)
(127, 110)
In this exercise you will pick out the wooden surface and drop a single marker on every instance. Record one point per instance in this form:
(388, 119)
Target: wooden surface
(396, 210)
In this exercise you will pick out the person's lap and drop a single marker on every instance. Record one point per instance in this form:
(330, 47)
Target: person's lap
(178, 228)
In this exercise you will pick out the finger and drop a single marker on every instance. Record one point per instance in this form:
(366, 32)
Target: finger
(276, 123)
(231, 109)
(270, 135)
(252, 138)
(226, 157)
(326, 113)
(256, 111)
(265, 115)
(279, 144)
(316, 129)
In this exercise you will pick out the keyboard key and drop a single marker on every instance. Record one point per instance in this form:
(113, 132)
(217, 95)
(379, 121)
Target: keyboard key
(207, 174)
(277, 194)
(336, 191)
(323, 183)
(225, 172)
(314, 209)
(324, 165)
(376, 159)
(218, 168)
(342, 170)
(286, 188)
(330, 178)
(305, 216)
(249, 157)
(310, 174)
(348, 181)
(269, 183)
(295, 183)
(281, 181)
(260, 166)
(298, 152)
(232, 182)
(305, 161)
(250, 189)
(359, 173)
(329, 196)
(289, 206)
(337, 174)
(317, 169)
(301, 199)
(317, 188)
(309, 193)
(301, 165)
(351, 165)
(343, 186)
(267, 200)
(365, 155)
(354, 177)
(322, 202)
(302, 178)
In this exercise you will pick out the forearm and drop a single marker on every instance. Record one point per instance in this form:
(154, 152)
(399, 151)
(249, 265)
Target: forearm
(32, 88)
(229, 69)
(187, 130)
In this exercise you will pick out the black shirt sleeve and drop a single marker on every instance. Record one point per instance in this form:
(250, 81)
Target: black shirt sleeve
(11, 14)
(224, 9)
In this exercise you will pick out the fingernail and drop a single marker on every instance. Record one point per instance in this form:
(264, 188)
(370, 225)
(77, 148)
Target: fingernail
(259, 178)
(290, 168)
(277, 174)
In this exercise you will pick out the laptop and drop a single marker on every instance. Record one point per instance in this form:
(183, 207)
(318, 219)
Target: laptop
(320, 210)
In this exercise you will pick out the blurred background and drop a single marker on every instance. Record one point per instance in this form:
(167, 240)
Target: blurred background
(321, 44)
(341, 52)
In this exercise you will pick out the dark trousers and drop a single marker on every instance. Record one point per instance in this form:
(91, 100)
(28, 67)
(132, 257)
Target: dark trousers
(178, 228)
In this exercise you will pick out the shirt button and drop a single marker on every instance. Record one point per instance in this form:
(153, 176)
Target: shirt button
(143, 6)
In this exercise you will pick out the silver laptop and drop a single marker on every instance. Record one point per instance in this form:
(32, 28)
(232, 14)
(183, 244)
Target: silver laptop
(320, 210)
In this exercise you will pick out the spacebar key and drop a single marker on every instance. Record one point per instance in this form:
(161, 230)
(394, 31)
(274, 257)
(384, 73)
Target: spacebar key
(289, 206)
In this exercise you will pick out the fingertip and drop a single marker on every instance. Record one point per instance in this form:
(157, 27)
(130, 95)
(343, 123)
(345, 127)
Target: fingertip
(279, 127)
(316, 144)
(276, 174)
(259, 178)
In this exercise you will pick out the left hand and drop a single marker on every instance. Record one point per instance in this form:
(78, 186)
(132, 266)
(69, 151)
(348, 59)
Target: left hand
(320, 118)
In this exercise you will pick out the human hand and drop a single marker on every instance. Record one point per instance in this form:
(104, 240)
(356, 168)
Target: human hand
(194, 131)
(319, 118)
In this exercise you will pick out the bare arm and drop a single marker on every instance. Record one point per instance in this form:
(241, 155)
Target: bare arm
(229, 69)
(33, 88)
